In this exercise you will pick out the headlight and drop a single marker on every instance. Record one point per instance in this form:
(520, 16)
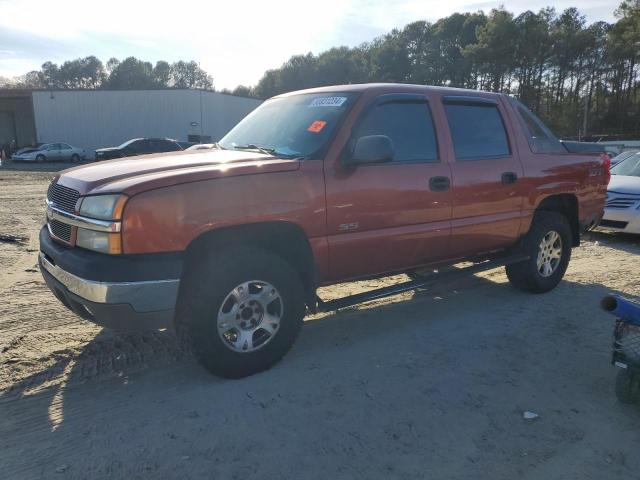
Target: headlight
(103, 207)
(102, 242)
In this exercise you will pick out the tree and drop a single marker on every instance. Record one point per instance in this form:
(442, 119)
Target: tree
(189, 75)
(241, 91)
(162, 73)
(131, 73)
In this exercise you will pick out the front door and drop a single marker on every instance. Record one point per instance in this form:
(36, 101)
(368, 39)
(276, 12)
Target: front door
(487, 175)
(383, 217)
(53, 152)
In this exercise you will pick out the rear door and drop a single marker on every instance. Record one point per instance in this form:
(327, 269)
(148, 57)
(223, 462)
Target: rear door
(383, 217)
(65, 151)
(487, 175)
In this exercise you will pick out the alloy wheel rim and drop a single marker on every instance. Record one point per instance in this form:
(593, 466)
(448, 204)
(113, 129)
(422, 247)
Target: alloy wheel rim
(250, 316)
(549, 253)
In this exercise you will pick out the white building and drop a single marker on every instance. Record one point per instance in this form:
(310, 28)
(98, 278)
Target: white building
(105, 118)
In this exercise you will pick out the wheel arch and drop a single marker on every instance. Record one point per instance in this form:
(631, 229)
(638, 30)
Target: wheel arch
(285, 239)
(567, 205)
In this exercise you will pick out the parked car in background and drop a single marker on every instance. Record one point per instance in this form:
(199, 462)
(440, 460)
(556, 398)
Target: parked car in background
(622, 156)
(186, 145)
(46, 152)
(138, 146)
(622, 207)
(203, 146)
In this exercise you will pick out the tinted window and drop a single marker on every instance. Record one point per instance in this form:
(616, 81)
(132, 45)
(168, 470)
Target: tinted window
(64, 146)
(169, 146)
(139, 146)
(540, 138)
(408, 125)
(477, 131)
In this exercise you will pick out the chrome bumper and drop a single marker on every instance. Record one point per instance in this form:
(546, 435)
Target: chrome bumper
(147, 296)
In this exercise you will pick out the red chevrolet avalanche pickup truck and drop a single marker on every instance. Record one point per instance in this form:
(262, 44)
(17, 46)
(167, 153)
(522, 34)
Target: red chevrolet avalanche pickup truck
(314, 188)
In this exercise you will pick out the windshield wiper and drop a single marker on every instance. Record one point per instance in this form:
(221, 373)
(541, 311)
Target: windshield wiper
(253, 146)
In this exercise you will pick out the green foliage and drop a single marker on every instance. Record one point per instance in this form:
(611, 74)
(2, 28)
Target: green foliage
(572, 74)
(130, 73)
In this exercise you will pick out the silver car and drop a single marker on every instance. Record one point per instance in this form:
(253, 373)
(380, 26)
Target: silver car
(50, 152)
(622, 207)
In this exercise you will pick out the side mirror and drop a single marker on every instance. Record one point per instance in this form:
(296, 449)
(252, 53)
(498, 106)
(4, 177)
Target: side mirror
(372, 149)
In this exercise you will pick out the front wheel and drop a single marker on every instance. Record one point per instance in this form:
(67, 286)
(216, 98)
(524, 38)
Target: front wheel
(75, 158)
(240, 311)
(548, 245)
(40, 158)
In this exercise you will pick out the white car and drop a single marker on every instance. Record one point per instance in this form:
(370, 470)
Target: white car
(622, 207)
(50, 152)
(203, 146)
(618, 158)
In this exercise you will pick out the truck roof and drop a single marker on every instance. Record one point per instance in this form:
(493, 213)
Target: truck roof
(388, 88)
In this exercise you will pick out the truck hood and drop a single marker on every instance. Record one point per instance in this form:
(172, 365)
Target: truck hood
(624, 184)
(137, 174)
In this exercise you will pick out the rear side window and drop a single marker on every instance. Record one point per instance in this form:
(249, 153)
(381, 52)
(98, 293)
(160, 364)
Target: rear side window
(409, 126)
(477, 130)
(139, 146)
(540, 138)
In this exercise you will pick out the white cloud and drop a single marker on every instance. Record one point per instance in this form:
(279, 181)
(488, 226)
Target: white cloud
(235, 41)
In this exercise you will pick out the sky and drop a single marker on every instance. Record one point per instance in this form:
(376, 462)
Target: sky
(235, 41)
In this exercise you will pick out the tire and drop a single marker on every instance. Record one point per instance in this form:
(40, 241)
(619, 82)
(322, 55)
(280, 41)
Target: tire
(627, 387)
(75, 158)
(527, 276)
(210, 311)
(40, 158)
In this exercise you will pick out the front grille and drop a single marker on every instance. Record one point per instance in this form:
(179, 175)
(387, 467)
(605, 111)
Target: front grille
(613, 224)
(62, 197)
(621, 202)
(60, 230)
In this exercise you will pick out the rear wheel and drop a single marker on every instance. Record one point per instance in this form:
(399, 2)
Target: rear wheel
(240, 311)
(548, 245)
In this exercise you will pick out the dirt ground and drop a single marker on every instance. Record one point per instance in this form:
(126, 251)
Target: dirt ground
(425, 385)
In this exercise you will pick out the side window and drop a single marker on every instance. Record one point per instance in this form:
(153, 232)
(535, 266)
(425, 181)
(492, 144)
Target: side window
(409, 126)
(169, 146)
(139, 146)
(540, 138)
(477, 130)
(64, 146)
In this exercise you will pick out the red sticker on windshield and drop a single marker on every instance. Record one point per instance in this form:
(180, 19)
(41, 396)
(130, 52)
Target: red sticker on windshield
(316, 126)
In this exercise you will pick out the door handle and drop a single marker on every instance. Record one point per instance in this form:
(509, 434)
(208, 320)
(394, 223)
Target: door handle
(439, 184)
(509, 177)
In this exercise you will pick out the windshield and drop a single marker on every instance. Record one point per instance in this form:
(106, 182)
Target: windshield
(128, 142)
(295, 126)
(629, 166)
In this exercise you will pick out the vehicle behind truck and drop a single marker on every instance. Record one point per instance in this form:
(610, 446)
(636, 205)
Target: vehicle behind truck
(313, 188)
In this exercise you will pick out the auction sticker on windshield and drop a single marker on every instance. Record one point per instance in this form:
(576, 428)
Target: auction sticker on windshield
(328, 102)
(317, 126)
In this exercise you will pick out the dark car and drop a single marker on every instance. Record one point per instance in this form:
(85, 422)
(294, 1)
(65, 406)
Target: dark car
(138, 146)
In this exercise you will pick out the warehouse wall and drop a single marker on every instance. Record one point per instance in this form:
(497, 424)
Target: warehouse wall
(106, 118)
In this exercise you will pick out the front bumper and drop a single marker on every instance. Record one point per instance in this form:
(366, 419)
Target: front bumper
(621, 220)
(123, 293)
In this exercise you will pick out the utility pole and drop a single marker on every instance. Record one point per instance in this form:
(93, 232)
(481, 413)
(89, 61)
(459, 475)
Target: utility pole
(201, 115)
(585, 117)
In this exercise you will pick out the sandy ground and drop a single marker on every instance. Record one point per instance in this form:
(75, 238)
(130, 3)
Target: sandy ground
(426, 385)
